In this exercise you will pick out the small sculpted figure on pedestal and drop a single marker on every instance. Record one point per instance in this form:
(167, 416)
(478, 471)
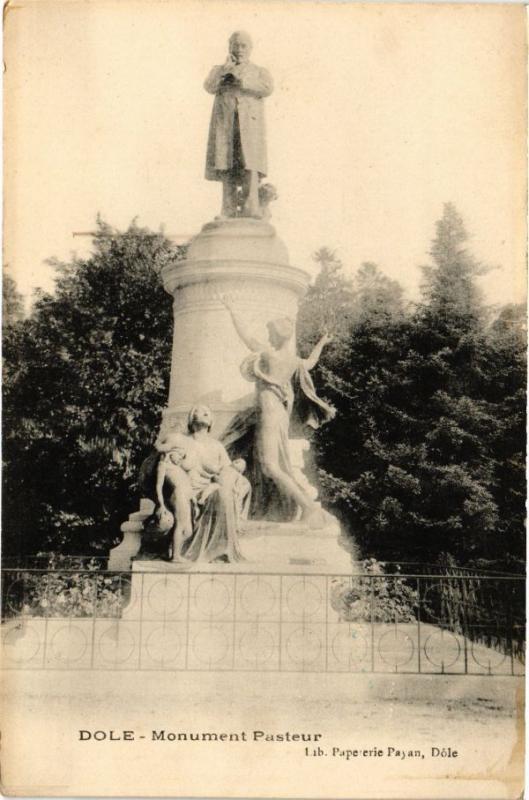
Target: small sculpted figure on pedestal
(236, 153)
(282, 382)
(243, 491)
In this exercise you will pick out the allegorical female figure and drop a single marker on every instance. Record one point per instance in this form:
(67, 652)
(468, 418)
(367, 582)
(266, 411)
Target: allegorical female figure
(236, 153)
(261, 433)
(198, 489)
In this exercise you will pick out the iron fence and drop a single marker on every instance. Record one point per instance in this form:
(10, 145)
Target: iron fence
(157, 619)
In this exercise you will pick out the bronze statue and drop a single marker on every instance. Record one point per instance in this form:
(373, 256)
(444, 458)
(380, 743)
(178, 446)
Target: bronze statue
(236, 153)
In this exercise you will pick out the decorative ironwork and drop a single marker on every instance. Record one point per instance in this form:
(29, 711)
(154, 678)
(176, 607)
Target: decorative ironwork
(92, 619)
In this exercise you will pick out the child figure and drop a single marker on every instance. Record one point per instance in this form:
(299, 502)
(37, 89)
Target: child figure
(178, 468)
(242, 489)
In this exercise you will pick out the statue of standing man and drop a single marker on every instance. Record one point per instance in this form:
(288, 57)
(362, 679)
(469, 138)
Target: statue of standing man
(236, 153)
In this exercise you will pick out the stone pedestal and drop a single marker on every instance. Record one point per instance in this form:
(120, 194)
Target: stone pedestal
(245, 260)
(121, 556)
(242, 258)
(290, 547)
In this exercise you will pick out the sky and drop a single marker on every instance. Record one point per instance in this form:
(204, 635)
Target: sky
(380, 114)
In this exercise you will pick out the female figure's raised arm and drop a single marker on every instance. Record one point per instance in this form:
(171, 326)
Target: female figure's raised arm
(314, 357)
(245, 336)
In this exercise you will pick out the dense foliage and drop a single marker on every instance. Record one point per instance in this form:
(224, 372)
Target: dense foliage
(426, 453)
(85, 379)
(12, 301)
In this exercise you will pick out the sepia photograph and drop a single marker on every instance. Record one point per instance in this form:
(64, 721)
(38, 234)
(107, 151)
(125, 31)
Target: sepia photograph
(264, 399)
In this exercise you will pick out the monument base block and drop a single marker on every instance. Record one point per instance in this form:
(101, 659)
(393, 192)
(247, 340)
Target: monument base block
(291, 546)
(274, 547)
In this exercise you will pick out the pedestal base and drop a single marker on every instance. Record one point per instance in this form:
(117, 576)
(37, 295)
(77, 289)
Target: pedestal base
(275, 547)
(291, 547)
(120, 557)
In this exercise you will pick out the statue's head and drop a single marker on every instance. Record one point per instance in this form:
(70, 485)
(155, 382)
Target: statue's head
(199, 417)
(280, 330)
(240, 46)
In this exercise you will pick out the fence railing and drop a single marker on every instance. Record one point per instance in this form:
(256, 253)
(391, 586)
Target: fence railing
(234, 620)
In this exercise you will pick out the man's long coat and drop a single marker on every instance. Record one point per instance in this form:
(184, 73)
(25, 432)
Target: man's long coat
(247, 101)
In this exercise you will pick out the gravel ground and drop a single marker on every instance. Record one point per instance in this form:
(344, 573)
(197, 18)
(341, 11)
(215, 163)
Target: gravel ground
(388, 723)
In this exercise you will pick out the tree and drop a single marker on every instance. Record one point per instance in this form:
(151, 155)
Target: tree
(354, 375)
(328, 304)
(424, 455)
(12, 301)
(505, 387)
(86, 377)
(375, 296)
(451, 296)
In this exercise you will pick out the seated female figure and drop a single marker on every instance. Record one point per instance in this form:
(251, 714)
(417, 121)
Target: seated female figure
(195, 478)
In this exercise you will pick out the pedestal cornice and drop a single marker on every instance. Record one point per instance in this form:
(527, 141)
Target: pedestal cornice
(186, 273)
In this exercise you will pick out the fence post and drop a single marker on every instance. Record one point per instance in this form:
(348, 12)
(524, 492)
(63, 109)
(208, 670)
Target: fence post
(188, 606)
(46, 598)
(372, 615)
(94, 617)
(327, 635)
(234, 629)
(280, 622)
(140, 622)
(510, 628)
(465, 641)
(418, 624)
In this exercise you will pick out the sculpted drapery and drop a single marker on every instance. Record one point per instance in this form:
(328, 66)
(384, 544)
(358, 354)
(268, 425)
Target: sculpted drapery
(197, 490)
(261, 433)
(236, 152)
(240, 105)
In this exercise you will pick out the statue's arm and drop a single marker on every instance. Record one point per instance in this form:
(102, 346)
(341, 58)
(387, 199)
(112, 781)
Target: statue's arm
(160, 478)
(164, 443)
(258, 84)
(245, 336)
(172, 440)
(224, 459)
(212, 82)
(314, 357)
(224, 474)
